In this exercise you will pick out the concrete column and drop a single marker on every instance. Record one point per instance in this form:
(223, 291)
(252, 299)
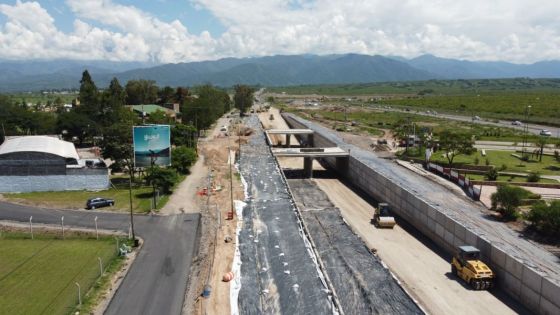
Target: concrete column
(288, 141)
(310, 140)
(308, 167)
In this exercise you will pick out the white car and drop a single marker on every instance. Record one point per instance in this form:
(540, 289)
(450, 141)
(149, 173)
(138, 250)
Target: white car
(224, 128)
(516, 123)
(546, 133)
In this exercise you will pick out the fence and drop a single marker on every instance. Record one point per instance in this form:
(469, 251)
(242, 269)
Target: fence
(456, 177)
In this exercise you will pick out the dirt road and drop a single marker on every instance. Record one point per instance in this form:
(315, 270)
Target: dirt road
(184, 198)
(424, 273)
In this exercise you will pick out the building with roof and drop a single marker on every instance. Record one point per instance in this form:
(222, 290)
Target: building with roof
(46, 163)
(171, 110)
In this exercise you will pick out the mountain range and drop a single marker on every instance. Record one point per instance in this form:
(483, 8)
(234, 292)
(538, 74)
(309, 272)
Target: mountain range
(265, 71)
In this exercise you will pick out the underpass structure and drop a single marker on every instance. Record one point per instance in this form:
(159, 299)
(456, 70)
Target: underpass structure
(527, 272)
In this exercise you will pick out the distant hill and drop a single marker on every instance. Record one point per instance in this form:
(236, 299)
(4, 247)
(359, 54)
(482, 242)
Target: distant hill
(282, 70)
(462, 69)
(267, 71)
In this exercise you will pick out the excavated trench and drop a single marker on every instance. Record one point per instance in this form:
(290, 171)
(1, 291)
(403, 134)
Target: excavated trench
(362, 283)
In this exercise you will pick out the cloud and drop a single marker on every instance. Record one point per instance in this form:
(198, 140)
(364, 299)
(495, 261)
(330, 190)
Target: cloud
(512, 30)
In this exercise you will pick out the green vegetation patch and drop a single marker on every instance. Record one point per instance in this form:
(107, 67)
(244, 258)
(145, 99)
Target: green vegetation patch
(38, 276)
(429, 87)
(548, 166)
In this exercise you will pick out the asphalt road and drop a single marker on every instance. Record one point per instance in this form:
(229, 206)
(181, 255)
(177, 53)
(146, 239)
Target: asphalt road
(157, 280)
(533, 128)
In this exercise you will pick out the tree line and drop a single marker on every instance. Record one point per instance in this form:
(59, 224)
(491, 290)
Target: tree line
(101, 118)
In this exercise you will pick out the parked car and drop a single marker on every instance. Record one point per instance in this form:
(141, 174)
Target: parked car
(545, 133)
(476, 118)
(98, 202)
(223, 128)
(516, 123)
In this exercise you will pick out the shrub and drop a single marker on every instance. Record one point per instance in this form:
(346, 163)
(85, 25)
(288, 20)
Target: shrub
(492, 174)
(556, 155)
(525, 157)
(533, 177)
(182, 158)
(507, 199)
(476, 160)
(163, 178)
(503, 167)
(487, 162)
(546, 218)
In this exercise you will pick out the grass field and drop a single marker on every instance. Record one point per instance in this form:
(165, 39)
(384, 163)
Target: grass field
(38, 276)
(545, 107)
(141, 197)
(548, 166)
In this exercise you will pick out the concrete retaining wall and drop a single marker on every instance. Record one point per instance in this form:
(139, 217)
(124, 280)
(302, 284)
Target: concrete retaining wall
(75, 181)
(535, 290)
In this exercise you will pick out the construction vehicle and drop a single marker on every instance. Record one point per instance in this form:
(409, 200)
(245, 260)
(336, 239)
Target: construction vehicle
(382, 216)
(466, 264)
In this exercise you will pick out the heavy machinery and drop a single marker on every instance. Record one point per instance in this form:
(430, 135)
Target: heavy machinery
(466, 264)
(382, 217)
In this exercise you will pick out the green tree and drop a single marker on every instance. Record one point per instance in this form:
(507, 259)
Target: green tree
(182, 94)
(74, 124)
(89, 97)
(141, 92)
(205, 109)
(455, 143)
(163, 178)
(160, 117)
(182, 158)
(183, 135)
(243, 98)
(507, 199)
(546, 218)
(117, 141)
(112, 104)
(166, 95)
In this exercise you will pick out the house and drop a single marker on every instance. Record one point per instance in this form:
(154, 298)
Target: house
(145, 110)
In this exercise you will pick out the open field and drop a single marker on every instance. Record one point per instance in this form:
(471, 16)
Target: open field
(500, 98)
(38, 276)
(444, 87)
(141, 198)
(35, 98)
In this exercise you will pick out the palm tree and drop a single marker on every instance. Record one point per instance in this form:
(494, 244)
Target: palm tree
(541, 142)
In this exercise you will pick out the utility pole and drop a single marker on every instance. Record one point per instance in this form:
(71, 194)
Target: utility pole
(526, 129)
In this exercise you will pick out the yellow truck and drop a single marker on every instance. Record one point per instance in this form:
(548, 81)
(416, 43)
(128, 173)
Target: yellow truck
(382, 216)
(466, 264)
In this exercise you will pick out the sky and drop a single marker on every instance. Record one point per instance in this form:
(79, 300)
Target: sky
(170, 31)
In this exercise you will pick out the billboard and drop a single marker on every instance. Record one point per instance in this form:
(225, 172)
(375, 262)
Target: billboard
(152, 143)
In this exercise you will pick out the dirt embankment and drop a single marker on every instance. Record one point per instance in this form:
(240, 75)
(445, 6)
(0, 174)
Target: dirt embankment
(215, 255)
